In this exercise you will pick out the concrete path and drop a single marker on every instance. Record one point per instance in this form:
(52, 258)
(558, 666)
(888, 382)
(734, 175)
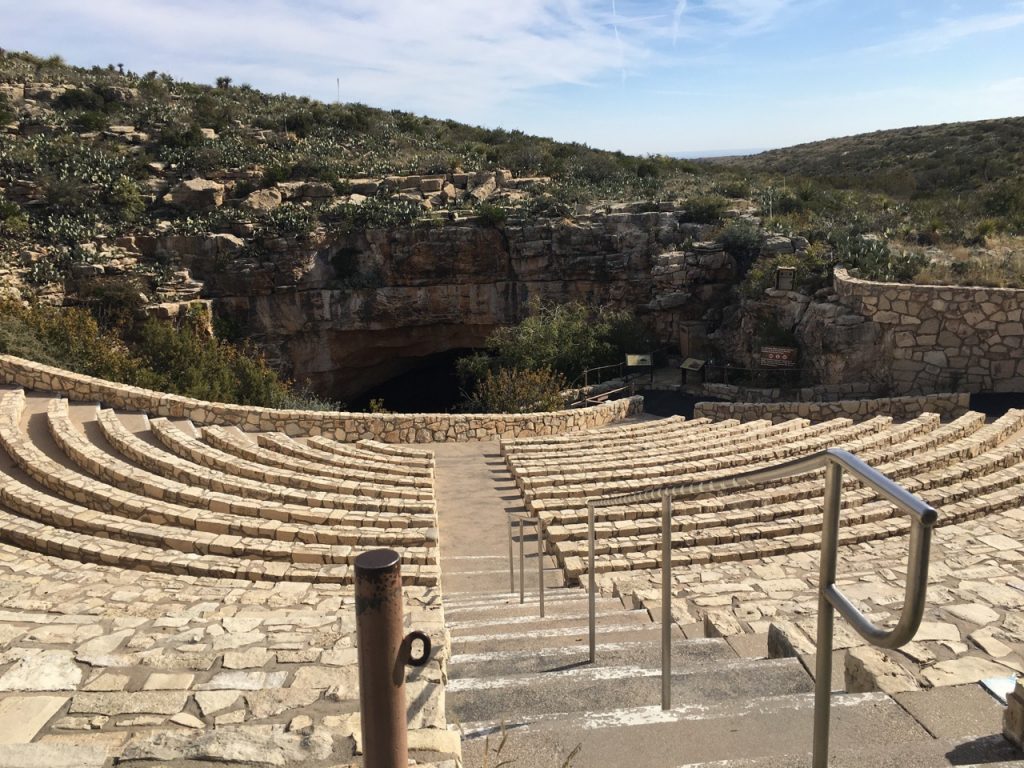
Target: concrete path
(476, 497)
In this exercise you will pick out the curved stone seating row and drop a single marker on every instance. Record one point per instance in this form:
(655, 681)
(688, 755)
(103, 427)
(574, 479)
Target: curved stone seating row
(621, 436)
(696, 512)
(531, 477)
(205, 530)
(689, 434)
(932, 446)
(163, 463)
(295, 519)
(30, 535)
(222, 439)
(966, 468)
(655, 450)
(49, 506)
(696, 506)
(780, 520)
(197, 452)
(289, 446)
(702, 469)
(952, 513)
(422, 456)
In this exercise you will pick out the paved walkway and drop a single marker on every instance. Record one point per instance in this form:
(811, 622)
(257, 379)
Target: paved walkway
(476, 496)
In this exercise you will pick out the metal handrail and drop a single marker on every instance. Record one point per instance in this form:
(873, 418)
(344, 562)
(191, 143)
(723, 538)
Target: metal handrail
(833, 460)
(524, 520)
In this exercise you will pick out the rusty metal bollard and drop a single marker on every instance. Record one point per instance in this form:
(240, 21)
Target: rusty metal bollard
(383, 654)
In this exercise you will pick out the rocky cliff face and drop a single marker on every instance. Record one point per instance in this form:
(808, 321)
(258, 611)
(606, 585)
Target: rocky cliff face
(348, 312)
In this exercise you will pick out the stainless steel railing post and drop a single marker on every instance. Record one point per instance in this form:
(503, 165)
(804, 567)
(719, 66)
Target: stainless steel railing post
(540, 565)
(823, 644)
(522, 565)
(511, 562)
(666, 600)
(591, 582)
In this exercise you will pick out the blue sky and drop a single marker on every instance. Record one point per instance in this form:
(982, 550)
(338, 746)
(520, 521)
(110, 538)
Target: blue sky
(643, 76)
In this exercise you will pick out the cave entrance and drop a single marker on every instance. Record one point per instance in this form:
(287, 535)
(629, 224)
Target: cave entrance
(428, 385)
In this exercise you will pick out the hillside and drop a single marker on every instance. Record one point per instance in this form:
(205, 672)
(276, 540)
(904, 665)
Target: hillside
(347, 244)
(922, 161)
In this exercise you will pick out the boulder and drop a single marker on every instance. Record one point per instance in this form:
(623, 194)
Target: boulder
(263, 200)
(196, 195)
(366, 187)
(483, 186)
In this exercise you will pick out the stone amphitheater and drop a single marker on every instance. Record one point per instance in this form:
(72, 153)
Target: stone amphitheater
(177, 588)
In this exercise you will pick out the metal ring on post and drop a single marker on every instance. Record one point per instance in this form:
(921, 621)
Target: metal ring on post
(423, 658)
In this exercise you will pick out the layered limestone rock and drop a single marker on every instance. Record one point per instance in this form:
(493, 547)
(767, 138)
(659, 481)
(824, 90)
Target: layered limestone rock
(347, 312)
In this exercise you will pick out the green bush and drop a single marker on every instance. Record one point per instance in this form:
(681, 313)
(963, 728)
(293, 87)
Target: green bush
(7, 113)
(510, 390)
(567, 338)
(873, 259)
(741, 238)
(705, 209)
(813, 271)
(490, 215)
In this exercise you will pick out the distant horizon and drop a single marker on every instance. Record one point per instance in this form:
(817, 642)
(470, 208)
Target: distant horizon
(647, 78)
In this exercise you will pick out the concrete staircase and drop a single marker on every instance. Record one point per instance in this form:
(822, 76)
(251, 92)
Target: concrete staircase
(523, 693)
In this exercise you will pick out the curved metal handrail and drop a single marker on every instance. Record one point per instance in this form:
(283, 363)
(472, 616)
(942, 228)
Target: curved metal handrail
(833, 461)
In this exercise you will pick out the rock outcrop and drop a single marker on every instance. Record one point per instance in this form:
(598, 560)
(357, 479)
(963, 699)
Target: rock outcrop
(347, 312)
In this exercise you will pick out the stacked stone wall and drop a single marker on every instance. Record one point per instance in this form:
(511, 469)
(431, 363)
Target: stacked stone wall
(900, 408)
(391, 427)
(937, 337)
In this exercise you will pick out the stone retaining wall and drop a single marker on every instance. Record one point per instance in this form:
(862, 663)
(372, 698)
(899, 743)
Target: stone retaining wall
(900, 408)
(938, 337)
(392, 428)
(822, 392)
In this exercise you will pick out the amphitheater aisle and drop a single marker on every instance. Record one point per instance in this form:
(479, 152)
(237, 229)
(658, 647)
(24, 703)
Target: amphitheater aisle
(476, 497)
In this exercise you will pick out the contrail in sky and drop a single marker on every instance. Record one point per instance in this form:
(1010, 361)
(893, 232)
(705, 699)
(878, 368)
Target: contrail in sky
(677, 17)
(618, 42)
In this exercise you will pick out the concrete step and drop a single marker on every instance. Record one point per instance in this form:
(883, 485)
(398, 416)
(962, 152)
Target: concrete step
(983, 752)
(514, 625)
(709, 732)
(496, 598)
(496, 579)
(602, 688)
(511, 610)
(688, 654)
(566, 637)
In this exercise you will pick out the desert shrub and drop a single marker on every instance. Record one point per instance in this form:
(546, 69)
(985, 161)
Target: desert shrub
(14, 223)
(490, 215)
(175, 136)
(7, 113)
(734, 188)
(813, 271)
(705, 209)
(85, 99)
(126, 199)
(873, 259)
(741, 238)
(69, 338)
(511, 390)
(1005, 198)
(567, 338)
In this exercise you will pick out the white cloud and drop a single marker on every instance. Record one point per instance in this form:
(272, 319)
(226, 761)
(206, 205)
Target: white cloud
(420, 56)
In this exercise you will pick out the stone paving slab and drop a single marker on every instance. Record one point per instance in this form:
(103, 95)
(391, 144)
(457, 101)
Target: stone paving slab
(98, 663)
(974, 620)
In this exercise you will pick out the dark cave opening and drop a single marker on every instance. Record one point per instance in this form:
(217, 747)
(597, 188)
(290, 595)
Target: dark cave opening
(429, 385)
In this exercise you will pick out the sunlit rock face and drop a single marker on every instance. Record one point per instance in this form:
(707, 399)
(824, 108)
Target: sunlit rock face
(348, 312)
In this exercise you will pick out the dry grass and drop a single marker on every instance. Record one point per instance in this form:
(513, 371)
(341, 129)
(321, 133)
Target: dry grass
(997, 264)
